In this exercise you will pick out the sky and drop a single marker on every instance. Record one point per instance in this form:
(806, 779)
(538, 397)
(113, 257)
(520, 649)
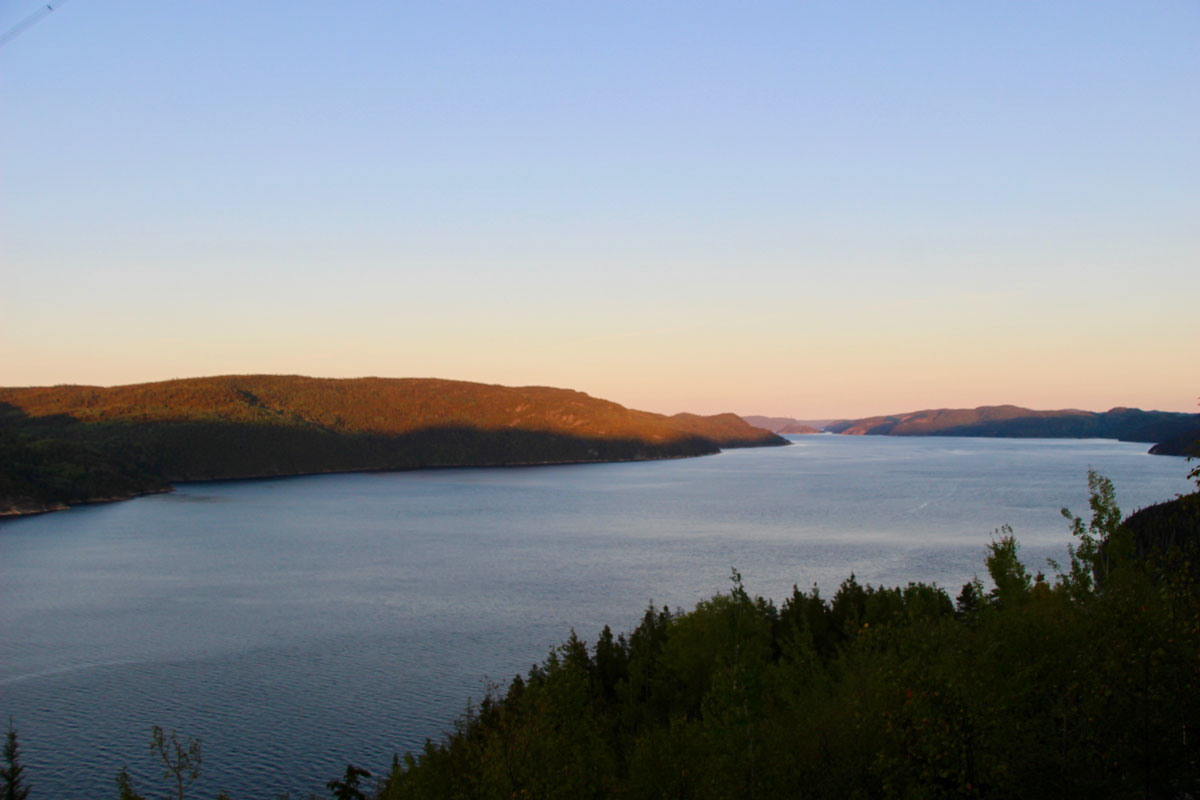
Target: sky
(798, 209)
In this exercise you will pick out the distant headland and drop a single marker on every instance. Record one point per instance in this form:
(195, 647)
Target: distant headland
(1174, 433)
(66, 445)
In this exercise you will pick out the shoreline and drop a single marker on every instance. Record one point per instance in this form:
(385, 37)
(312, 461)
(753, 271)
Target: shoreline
(33, 511)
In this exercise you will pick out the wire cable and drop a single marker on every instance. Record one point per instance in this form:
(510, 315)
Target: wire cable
(28, 22)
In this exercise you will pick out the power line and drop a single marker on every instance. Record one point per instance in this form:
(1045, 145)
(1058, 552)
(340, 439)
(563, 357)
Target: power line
(25, 24)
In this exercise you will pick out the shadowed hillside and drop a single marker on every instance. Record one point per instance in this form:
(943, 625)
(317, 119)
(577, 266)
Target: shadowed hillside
(70, 444)
(1185, 444)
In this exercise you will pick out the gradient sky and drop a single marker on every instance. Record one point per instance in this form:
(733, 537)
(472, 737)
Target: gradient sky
(803, 209)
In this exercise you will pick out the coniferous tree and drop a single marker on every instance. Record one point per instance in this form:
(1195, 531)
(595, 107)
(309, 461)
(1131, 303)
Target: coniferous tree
(11, 783)
(347, 788)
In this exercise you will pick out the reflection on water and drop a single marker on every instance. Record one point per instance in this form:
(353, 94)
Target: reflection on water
(297, 624)
(192, 497)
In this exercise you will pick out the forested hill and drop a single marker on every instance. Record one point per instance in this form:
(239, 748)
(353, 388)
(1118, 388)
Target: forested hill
(1126, 424)
(68, 444)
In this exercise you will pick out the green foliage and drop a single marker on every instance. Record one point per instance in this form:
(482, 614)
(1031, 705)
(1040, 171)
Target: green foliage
(12, 781)
(1011, 579)
(1083, 688)
(125, 786)
(970, 600)
(1099, 542)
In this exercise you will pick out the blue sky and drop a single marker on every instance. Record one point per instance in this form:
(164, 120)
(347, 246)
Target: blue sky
(808, 209)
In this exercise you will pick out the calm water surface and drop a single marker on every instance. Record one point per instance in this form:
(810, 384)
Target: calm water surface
(301, 623)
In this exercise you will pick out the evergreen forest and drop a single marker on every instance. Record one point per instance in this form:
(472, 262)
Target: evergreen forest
(1078, 683)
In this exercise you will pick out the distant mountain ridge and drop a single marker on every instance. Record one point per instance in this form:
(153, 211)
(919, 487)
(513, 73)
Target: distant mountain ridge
(788, 424)
(1125, 424)
(61, 445)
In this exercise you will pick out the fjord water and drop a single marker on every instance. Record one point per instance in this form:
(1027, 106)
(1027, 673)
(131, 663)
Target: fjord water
(297, 624)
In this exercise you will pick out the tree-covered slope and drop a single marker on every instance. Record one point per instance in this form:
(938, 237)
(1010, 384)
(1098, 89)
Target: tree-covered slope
(263, 425)
(1067, 687)
(1184, 444)
(41, 473)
